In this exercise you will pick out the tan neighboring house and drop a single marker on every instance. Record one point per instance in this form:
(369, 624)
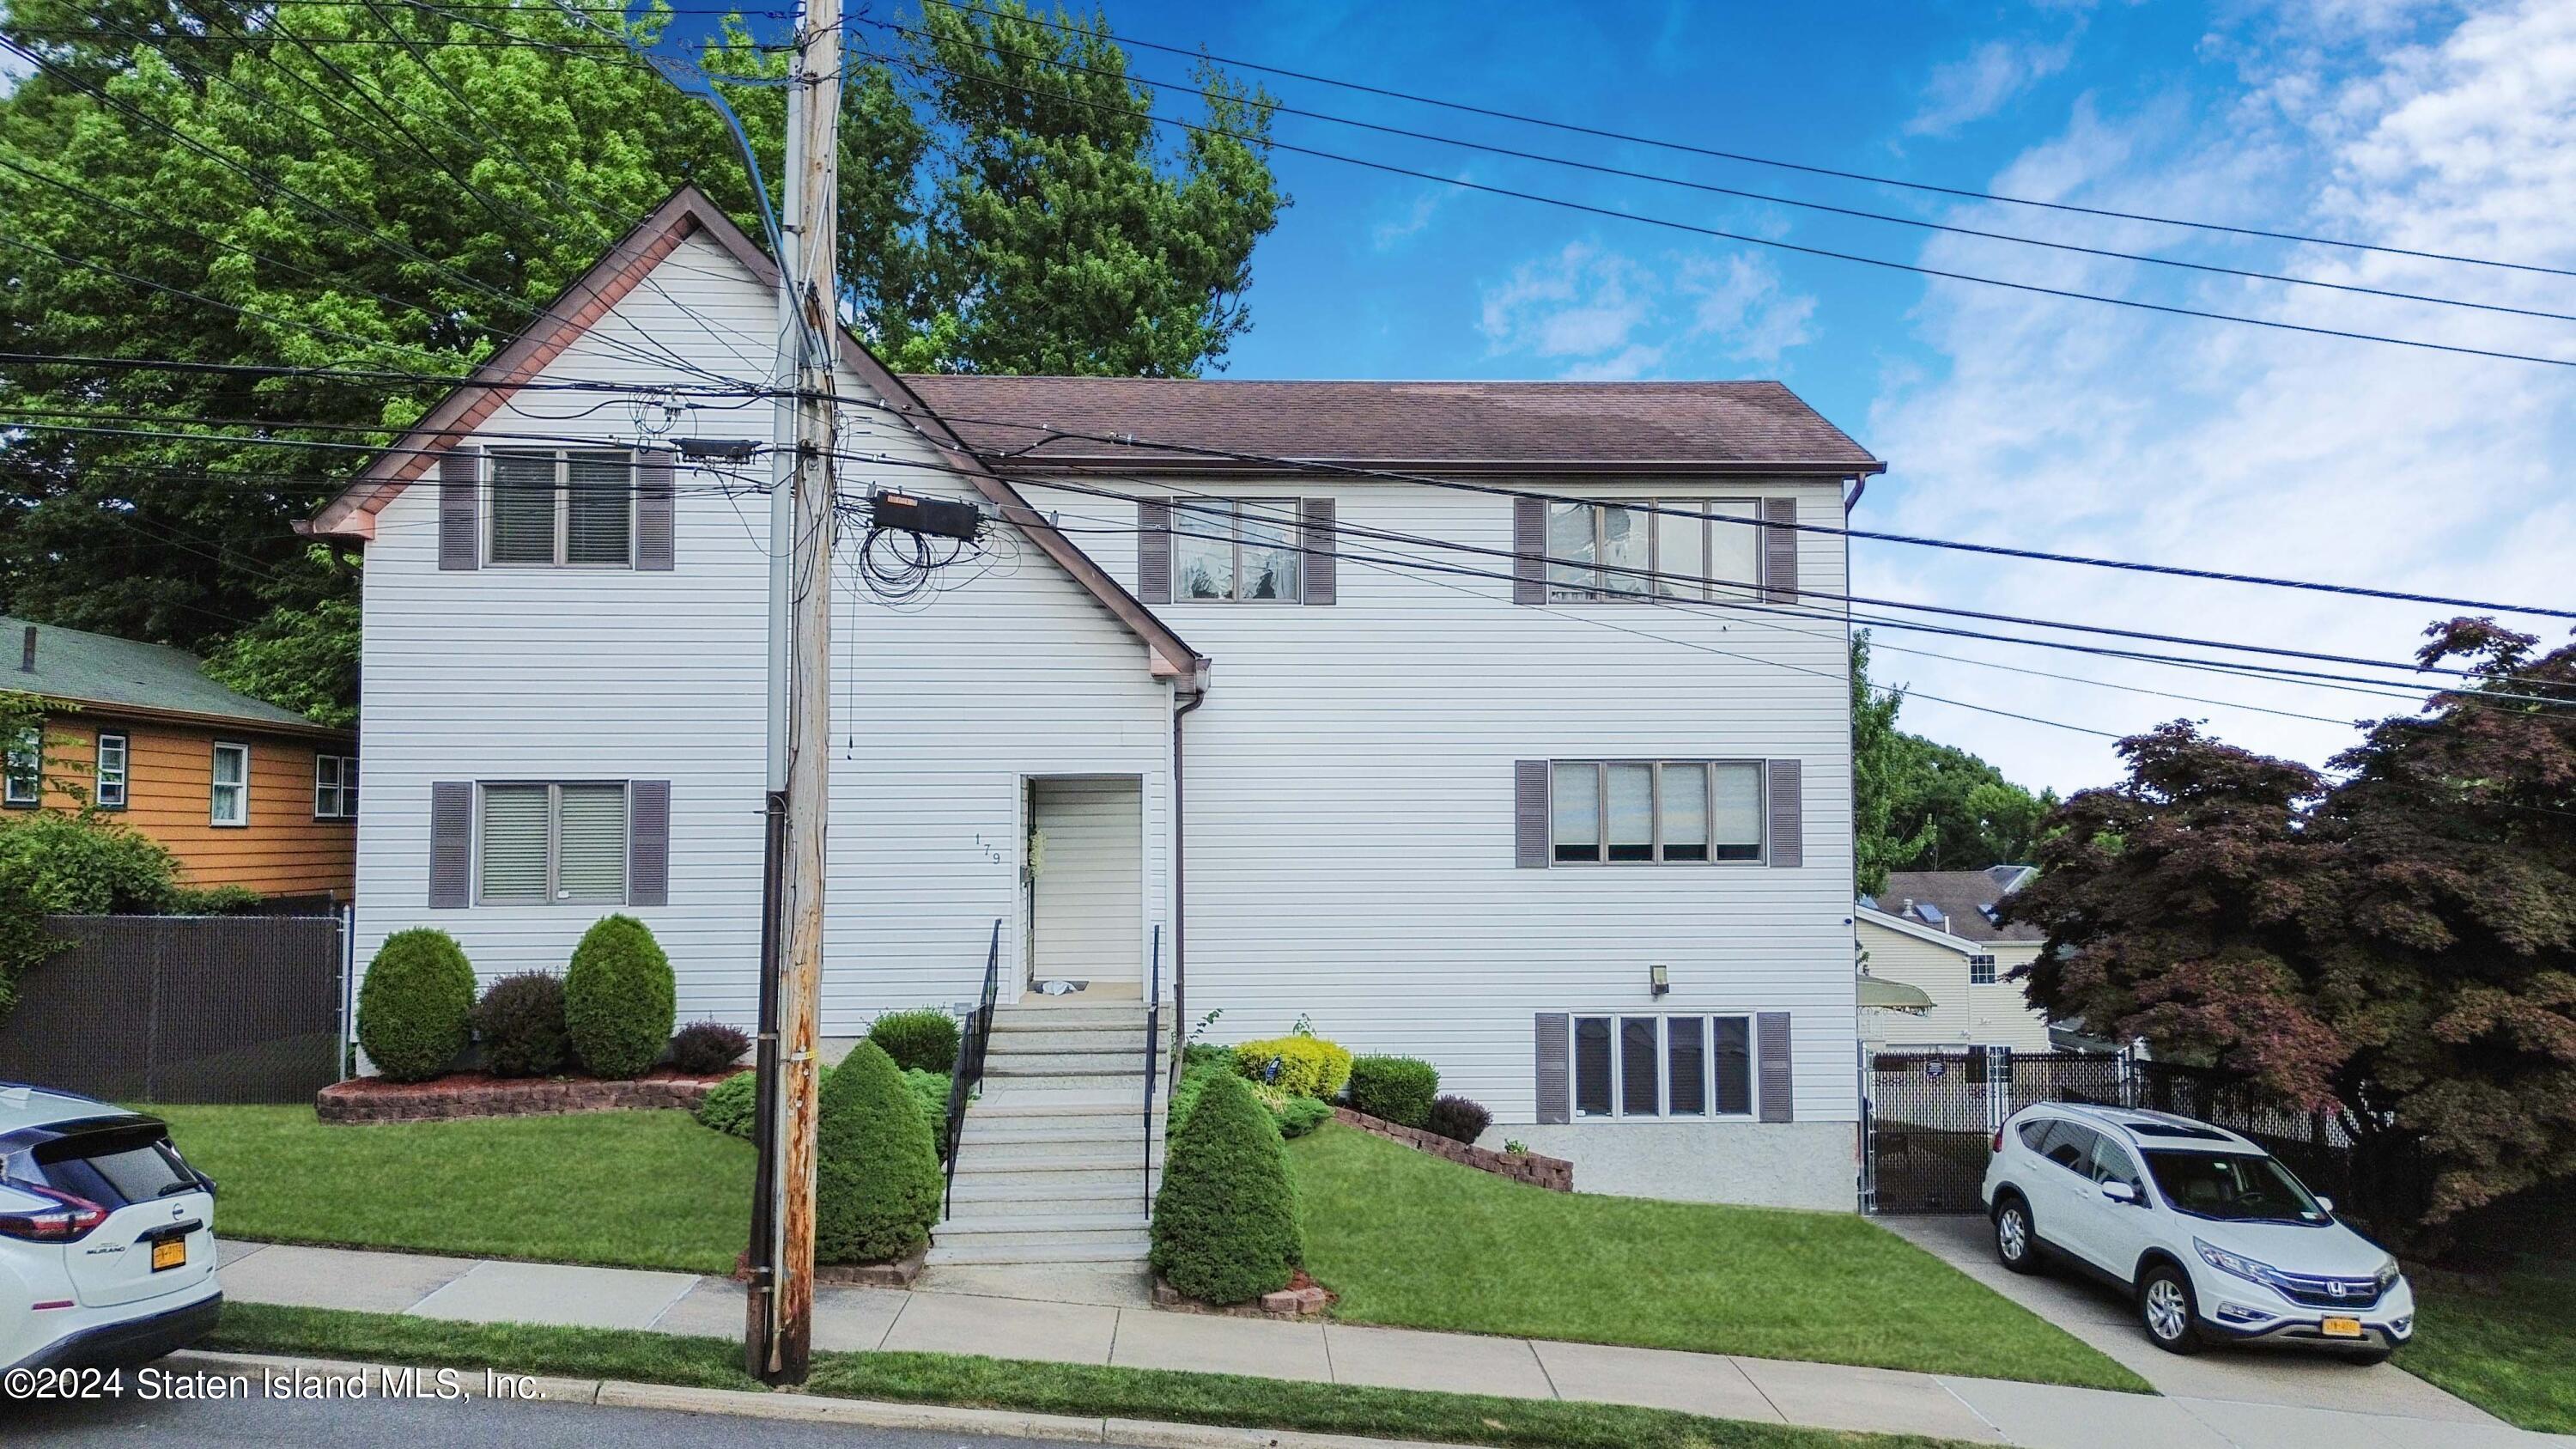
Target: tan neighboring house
(243, 792)
(1935, 931)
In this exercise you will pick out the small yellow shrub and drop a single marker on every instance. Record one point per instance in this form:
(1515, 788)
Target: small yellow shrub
(1306, 1066)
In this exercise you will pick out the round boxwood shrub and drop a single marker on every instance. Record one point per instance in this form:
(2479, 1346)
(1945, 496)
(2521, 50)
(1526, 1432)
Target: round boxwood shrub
(1398, 1089)
(412, 1011)
(728, 1105)
(618, 998)
(1459, 1119)
(520, 1021)
(876, 1170)
(1225, 1226)
(704, 1048)
(920, 1040)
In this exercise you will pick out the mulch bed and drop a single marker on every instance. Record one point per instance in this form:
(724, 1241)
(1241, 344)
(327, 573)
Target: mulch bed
(477, 1094)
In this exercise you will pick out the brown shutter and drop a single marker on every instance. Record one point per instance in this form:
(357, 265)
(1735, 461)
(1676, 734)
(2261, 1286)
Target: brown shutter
(460, 528)
(1555, 1099)
(1529, 814)
(1780, 551)
(451, 845)
(1529, 550)
(1315, 515)
(1786, 798)
(654, 550)
(1771, 1041)
(1154, 553)
(648, 842)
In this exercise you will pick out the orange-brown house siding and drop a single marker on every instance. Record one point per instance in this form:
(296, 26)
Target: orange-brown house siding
(283, 851)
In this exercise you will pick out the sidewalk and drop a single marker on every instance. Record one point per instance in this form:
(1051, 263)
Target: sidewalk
(1773, 1391)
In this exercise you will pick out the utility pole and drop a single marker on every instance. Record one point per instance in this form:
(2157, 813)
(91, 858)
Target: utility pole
(780, 1344)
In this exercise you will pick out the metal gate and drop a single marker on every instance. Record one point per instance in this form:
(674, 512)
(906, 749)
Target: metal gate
(1929, 1117)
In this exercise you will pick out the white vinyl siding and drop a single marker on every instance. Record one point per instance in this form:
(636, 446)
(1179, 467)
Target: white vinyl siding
(228, 787)
(107, 788)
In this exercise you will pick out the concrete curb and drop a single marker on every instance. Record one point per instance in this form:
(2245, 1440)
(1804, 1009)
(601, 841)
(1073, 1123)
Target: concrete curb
(815, 1408)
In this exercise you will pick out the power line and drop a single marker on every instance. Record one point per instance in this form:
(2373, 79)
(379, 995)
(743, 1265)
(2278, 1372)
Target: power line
(1919, 223)
(1746, 158)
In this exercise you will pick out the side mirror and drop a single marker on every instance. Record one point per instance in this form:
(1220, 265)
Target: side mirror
(2325, 1205)
(2120, 1192)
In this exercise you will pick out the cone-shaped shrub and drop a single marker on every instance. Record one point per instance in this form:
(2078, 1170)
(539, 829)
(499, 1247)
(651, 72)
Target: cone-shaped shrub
(876, 1189)
(619, 1001)
(1225, 1226)
(413, 1008)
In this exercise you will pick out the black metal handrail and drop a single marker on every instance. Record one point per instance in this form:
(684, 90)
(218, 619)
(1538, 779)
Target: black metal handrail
(973, 1037)
(1153, 1041)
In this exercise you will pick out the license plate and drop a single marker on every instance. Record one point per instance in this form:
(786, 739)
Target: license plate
(173, 1253)
(2340, 1328)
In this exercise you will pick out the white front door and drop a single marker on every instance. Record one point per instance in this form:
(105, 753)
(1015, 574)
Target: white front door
(1087, 894)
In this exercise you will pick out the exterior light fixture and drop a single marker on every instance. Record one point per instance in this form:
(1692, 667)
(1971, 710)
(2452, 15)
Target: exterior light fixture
(1661, 978)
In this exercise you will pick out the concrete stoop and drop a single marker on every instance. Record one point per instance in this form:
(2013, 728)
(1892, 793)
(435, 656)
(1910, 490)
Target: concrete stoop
(1058, 1160)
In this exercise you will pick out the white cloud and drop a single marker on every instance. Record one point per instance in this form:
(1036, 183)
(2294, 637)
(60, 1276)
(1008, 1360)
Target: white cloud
(2073, 427)
(1602, 314)
(1984, 81)
(1417, 217)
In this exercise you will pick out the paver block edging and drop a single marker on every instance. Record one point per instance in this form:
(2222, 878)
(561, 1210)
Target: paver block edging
(475, 1094)
(1300, 1300)
(1553, 1173)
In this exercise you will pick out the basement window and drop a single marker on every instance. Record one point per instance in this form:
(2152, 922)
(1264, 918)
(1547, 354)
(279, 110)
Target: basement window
(1663, 1066)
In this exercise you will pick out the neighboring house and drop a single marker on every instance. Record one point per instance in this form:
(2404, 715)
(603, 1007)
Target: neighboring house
(1592, 859)
(243, 792)
(1935, 930)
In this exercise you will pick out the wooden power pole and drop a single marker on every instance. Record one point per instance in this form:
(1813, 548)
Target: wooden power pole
(814, 284)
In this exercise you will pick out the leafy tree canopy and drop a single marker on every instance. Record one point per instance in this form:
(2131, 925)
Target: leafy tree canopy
(1921, 805)
(2396, 940)
(399, 187)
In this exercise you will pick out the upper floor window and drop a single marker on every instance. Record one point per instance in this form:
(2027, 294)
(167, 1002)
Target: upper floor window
(228, 793)
(1981, 970)
(1640, 812)
(565, 509)
(107, 790)
(553, 842)
(1240, 549)
(1665, 548)
(335, 787)
(22, 769)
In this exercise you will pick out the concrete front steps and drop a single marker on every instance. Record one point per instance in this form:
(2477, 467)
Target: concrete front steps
(1052, 1164)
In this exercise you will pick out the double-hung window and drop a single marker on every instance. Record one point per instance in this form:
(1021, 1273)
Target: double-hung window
(1981, 970)
(228, 786)
(107, 788)
(545, 842)
(1663, 1066)
(1646, 812)
(1235, 549)
(1664, 548)
(562, 509)
(335, 787)
(22, 769)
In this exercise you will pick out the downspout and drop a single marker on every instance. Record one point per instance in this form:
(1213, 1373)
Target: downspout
(1180, 878)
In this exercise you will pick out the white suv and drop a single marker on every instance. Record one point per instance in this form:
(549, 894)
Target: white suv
(107, 1235)
(2213, 1238)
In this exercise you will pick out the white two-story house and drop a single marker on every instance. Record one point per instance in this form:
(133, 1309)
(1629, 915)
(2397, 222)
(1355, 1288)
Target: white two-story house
(1299, 703)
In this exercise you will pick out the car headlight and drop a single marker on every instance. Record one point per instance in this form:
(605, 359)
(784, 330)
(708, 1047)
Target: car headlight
(2387, 1274)
(2236, 1263)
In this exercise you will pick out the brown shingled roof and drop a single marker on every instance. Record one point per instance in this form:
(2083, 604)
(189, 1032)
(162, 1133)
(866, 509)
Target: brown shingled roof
(1662, 427)
(1960, 895)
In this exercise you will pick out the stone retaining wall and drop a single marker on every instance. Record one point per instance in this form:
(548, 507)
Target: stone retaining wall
(472, 1094)
(1553, 1173)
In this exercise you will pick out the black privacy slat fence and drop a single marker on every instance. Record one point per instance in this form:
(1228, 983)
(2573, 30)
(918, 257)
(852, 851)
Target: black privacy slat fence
(181, 1009)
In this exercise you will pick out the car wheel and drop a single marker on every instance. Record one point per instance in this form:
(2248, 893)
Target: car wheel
(2016, 1246)
(2166, 1310)
(2367, 1356)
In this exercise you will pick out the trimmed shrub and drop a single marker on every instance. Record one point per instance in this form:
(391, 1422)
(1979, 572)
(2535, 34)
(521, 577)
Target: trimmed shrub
(728, 1106)
(1200, 1054)
(877, 1170)
(704, 1048)
(923, 1039)
(1459, 1119)
(520, 1021)
(1301, 1066)
(930, 1093)
(1302, 1115)
(1398, 1089)
(619, 998)
(1225, 1225)
(413, 1009)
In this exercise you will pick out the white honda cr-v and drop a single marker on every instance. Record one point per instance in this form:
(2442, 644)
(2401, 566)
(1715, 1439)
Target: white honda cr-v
(107, 1235)
(2213, 1238)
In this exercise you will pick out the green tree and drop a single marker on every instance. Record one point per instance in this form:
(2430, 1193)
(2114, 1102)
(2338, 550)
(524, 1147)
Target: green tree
(1921, 805)
(1879, 757)
(394, 187)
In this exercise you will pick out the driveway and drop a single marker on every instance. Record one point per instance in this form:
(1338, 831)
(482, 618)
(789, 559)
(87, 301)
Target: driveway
(2101, 1316)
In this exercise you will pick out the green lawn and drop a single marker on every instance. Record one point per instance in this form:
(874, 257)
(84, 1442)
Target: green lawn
(1416, 1242)
(1048, 1388)
(2512, 1354)
(624, 1189)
